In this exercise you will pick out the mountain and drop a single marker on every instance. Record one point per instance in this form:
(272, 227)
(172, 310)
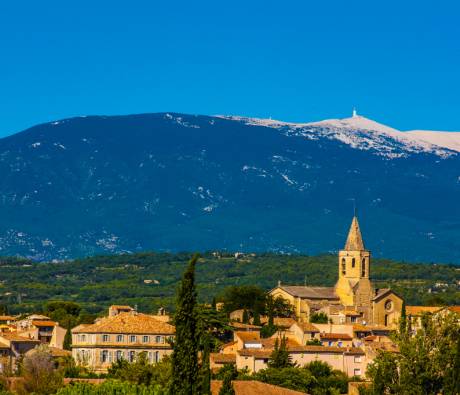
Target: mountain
(176, 182)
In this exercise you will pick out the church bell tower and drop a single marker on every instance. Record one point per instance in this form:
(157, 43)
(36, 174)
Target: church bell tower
(353, 286)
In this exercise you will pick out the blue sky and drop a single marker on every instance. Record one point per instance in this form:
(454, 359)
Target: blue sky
(397, 62)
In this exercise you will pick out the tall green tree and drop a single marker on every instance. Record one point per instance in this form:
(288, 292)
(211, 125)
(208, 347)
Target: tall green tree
(427, 362)
(186, 343)
(205, 369)
(227, 385)
(280, 357)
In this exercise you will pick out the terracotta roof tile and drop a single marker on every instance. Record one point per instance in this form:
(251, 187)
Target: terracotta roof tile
(307, 327)
(248, 336)
(44, 323)
(252, 388)
(217, 357)
(418, 310)
(335, 336)
(127, 323)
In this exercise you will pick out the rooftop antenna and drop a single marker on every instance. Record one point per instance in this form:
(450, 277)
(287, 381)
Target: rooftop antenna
(354, 114)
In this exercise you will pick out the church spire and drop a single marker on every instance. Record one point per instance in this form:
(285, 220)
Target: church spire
(354, 239)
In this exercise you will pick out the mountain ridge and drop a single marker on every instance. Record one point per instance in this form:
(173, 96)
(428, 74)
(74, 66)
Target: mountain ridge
(171, 182)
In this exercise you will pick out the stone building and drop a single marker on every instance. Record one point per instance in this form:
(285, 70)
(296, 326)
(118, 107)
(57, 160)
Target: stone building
(353, 299)
(121, 335)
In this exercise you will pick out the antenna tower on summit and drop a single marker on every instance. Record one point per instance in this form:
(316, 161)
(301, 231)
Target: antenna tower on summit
(355, 114)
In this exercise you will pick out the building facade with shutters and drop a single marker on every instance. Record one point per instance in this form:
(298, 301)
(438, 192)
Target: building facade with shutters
(125, 335)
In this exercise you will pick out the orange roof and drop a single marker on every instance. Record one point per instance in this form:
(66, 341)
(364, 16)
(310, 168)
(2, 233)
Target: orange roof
(218, 357)
(248, 336)
(17, 338)
(44, 323)
(335, 336)
(249, 387)
(121, 307)
(454, 309)
(361, 328)
(258, 353)
(127, 323)
(307, 327)
(239, 325)
(6, 318)
(418, 310)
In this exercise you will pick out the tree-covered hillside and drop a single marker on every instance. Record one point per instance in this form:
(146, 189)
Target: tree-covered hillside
(149, 280)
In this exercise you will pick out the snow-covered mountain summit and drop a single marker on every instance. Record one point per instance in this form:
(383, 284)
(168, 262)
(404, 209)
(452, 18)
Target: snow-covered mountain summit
(366, 134)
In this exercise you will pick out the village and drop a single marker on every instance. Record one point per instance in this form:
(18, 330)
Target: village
(345, 327)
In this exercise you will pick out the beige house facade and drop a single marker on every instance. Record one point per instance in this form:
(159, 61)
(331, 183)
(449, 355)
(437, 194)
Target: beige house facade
(353, 299)
(121, 336)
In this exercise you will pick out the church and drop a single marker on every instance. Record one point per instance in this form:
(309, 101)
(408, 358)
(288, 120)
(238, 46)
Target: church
(353, 299)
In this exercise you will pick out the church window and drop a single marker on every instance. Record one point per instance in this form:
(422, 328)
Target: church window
(388, 305)
(353, 262)
(343, 266)
(363, 268)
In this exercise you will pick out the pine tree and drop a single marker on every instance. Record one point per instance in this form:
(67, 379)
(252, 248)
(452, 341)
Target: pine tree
(227, 386)
(184, 358)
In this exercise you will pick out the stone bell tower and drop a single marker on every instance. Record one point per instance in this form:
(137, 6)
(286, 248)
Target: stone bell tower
(353, 286)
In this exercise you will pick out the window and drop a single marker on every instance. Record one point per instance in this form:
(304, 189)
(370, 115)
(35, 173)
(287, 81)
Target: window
(82, 338)
(105, 338)
(386, 319)
(119, 338)
(330, 343)
(344, 271)
(357, 372)
(339, 344)
(133, 339)
(353, 262)
(357, 359)
(363, 268)
(104, 356)
(353, 319)
(157, 356)
(145, 339)
(388, 305)
(119, 355)
(132, 356)
(159, 339)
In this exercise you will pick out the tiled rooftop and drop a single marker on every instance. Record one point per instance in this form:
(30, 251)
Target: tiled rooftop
(128, 323)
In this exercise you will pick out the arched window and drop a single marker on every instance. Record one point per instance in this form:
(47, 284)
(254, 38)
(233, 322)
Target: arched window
(353, 262)
(363, 268)
(344, 270)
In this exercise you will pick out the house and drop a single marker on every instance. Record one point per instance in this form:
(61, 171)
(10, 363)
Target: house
(121, 336)
(12, 347)
(349, 360)
(353, 299)
(302, 332)
(42, 328)
(217, 360)
(336, 339)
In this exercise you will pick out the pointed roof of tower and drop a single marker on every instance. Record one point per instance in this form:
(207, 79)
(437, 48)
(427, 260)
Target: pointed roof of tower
(354, 239)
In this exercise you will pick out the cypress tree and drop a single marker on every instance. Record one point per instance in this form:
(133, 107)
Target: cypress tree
(227, 386)
(245, 317)
(403, 322)
(184, 358)
(256, 319)
(205, 369)
(280, 357)
(68, 339)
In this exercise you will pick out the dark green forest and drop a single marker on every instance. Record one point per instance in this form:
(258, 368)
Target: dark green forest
(149, 280)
